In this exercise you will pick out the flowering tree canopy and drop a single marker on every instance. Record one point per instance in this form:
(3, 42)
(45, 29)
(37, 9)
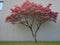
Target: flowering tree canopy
(29, 13)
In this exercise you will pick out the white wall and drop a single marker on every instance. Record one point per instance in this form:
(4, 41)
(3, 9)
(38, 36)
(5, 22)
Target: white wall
(48, 32)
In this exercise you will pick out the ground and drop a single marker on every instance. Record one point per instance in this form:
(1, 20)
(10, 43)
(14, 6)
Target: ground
(29, 43)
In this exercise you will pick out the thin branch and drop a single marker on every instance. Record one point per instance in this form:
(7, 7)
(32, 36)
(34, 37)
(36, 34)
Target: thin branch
(31, 31)
(38, 27)
(26, 20)
(32, 22)
(24, 24)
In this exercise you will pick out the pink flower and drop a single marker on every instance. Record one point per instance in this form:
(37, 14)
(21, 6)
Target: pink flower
(49, 5)
(28, 6)
(7, 18)
(25, 4)
(53, 16)
(45, 10)
(45, 17)
(38, 8)
(16, 10)
(33, 11)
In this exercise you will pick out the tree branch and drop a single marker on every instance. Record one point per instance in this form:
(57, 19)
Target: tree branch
(30, 27)
(38, 28)
(32, 22)
(24, 24)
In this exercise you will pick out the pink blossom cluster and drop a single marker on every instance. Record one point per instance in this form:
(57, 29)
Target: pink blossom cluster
(30, 8)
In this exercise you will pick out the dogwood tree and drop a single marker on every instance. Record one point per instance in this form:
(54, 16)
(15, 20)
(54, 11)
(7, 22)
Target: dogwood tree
(30, 13)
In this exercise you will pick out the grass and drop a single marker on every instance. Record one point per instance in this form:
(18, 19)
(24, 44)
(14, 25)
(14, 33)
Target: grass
(29, 43)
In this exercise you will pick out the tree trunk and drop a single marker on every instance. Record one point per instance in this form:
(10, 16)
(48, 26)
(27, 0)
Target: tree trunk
(34, 36)
(35, 39)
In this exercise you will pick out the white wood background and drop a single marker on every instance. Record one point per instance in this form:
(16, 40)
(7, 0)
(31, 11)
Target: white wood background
(49, 31)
